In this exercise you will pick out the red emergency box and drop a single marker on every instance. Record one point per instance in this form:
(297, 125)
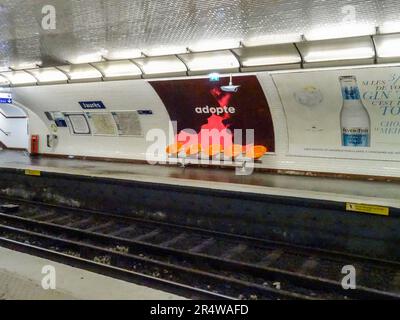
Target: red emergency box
(34, 144)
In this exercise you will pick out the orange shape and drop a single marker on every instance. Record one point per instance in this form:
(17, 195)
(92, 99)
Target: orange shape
(174, 148)
(255, 152)
(193, 149)
(233, 151)
(213, 150)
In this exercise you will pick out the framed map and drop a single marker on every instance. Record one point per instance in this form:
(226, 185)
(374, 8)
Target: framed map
(79, 124)
(128, 123)
(102, 123)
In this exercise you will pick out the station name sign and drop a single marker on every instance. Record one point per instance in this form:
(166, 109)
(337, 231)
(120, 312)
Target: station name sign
(92, 105)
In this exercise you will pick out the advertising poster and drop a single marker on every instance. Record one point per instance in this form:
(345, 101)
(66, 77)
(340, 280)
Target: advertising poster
(200, 104)
(342, 113)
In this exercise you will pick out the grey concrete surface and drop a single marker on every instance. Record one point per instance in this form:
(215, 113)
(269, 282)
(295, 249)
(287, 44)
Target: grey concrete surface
(335, 189)
(21, 279)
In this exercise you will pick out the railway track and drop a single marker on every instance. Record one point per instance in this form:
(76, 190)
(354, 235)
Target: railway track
(193, 262)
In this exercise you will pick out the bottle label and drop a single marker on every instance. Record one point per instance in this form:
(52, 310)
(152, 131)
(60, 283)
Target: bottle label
(355, 137)
(350, 93)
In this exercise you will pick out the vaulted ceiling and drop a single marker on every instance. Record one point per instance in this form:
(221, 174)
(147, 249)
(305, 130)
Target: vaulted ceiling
(106, 26)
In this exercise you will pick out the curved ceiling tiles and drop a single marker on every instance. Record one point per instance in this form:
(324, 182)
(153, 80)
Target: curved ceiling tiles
(107, 27)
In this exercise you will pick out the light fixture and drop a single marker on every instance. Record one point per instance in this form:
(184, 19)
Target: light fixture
(26, 65)
(123, 54)
(341, 31)
(164, 65)
(204, 62)
(118, 70)
(19, 78)
(48, 75)
(81, 72)
(348, 51)
(390, 27)
(387, 47)
(271, 39)
(87, 58)
(165, 50)
(269, 57)
(213, 45)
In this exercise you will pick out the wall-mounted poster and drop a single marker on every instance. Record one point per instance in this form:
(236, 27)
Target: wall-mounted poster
(79, 124)
(102, 123)
(349, 112)
(128, 123)
(221, 106)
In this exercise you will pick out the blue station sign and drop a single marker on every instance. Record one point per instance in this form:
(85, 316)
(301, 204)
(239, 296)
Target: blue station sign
(92, 105)
(5, 97)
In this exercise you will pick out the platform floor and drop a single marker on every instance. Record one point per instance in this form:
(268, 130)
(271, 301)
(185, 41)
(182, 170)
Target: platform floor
(21, 277)
(334, 189)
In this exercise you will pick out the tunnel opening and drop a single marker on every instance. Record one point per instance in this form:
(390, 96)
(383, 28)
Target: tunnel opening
(14, 132)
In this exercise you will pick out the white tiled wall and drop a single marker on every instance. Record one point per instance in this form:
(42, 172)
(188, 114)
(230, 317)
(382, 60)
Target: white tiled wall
(138, 94)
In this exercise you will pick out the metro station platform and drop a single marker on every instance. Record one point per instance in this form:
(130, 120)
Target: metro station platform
(384, 193)
(21, 277)
(356, 216)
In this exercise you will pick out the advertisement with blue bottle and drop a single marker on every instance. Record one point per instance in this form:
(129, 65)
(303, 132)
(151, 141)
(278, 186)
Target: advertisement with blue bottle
(342, 113)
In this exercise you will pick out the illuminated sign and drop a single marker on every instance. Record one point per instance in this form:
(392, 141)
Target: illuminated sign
(214, 76)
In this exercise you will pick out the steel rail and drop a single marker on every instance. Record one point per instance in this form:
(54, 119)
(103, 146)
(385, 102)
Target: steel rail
(119, 259)
(292, 248)
(308, 282)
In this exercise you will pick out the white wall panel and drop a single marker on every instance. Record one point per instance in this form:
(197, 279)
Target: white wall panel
(116, 95)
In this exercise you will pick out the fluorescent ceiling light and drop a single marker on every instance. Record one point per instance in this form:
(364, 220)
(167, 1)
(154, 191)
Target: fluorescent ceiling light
(161, 65)
(212, 45)
(87, 58)
(271, 39)
(215, 60)
(26, 65)
(335, 50)
(81, 72)
(340, 31)
(118, 69)
(390, 27)
(164, 50)
(48, 75)
(123, 54)
(268, 55)
(339, 54)
(19, 77)
(387, 46)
